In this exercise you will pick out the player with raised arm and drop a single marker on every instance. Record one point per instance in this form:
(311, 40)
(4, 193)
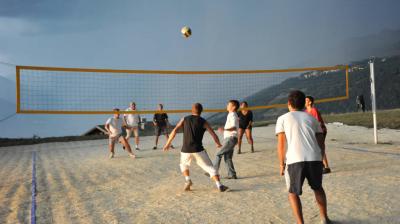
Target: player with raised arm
(114, 127)
(194, 127)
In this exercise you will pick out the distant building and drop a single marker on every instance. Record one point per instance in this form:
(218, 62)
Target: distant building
(96, 130)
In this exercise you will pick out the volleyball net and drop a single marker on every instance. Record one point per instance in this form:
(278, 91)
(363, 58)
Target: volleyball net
(50, 90)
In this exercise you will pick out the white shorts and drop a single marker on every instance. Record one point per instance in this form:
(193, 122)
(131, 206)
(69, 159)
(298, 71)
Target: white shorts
(113, 140)
(202, 160)
(133, 129)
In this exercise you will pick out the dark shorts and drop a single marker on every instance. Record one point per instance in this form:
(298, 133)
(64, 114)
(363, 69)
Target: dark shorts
(244, 127)
(161, 130)
(296, 173)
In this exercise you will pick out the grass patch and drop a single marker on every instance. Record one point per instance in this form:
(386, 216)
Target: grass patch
(385, 118)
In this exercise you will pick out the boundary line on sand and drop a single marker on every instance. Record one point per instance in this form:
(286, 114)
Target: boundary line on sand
(389, 154)
(33, 207)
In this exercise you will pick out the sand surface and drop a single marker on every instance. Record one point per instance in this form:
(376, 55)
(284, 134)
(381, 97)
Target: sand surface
(77, 183)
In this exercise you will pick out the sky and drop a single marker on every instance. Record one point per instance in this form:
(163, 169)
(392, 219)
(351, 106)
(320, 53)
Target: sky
(135, 34)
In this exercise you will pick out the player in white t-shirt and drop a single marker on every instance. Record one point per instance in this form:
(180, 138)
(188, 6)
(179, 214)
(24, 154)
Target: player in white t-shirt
(305, 150)
(132, 124)
(114, 127)
(230, 131)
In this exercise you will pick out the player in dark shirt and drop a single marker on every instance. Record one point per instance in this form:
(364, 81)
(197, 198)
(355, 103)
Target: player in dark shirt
(161, 124)
(194, 127)
(245, 126)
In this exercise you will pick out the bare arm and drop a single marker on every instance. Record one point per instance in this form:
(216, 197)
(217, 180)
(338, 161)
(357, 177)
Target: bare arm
(250, 124)
(172, 135)
(212, 133)
(107, 127)
(321, 143)
(281, 151)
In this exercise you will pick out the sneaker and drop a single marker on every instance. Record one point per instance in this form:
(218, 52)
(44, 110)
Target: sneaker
(326, 170)
(155, 147)
(133, 156)
(111, 155)
(123, 147)
(137, 148)
(187, 186)
(232, 177)
(172, 147)
(207, 174)
(223, 188)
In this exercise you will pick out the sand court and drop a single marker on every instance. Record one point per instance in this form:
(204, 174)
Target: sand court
(77, 183)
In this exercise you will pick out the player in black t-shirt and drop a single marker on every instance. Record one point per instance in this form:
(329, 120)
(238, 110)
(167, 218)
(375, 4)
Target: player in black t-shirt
(194, 127)
(161, 125)
(245, 125)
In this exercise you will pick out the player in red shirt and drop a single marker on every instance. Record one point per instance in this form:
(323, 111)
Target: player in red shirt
(315, 113)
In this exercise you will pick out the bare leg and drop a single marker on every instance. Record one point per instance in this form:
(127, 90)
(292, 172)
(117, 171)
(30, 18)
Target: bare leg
(215, 178)
(295, 203)
(128, 134)
(188, 182)
(156, 143)
(320, 197)
(240, 137)
(325, 161)
(111, 148)
(250, 138)
(136, 132)
(111, 145)
(127, 146)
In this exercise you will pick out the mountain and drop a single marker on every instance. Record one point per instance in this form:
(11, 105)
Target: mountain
(382, 44)
(321, 85)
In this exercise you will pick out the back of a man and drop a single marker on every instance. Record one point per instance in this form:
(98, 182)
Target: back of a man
(300, 129)
(193, 132)
(303, 157)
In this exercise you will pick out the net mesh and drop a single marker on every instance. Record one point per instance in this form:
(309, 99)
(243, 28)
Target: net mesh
(80, 91)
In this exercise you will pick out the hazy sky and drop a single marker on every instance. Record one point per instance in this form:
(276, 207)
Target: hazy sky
(234, 34)
(145, 34)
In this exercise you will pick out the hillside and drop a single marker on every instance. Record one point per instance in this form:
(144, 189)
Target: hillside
(387, 76)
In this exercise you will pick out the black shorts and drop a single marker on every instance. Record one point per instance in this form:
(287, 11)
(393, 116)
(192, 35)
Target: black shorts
(296, 173)
(161, 130)
(244, 127)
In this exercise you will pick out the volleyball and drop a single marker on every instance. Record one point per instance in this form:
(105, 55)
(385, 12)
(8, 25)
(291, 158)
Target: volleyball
(186, 32)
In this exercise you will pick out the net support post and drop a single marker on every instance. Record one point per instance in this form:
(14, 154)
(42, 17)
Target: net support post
(373, 98)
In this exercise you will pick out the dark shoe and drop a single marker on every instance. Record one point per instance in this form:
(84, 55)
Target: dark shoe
(207, 174)
(326, 170)
(239, 152)
(172, 147)
(223, 188)
(123, 147)
(252, 150)
(137, 148)
(326, 221)
(155, 147)
(187, 186)
(232, 177)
